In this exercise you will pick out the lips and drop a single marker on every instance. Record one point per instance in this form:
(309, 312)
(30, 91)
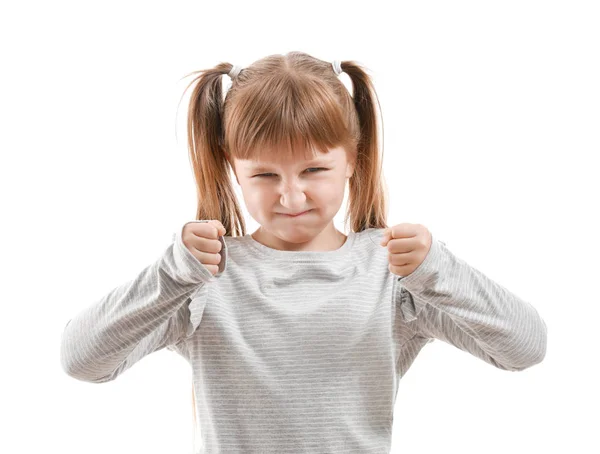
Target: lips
(295, 215)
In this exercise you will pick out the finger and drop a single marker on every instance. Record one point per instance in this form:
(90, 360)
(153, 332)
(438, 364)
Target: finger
(220, 227)
(215, 225)
(208, 229)
(385, 237)
(214, 269)
(399, 259)
(206, 244)
(404, 230)
(207, 258)
(400, 270)
(402, 245)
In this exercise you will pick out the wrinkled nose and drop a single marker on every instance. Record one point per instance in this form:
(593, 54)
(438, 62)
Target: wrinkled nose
(293, 198)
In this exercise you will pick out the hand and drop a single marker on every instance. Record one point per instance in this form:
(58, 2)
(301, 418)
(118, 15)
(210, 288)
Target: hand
(408, 245)
(202, 240)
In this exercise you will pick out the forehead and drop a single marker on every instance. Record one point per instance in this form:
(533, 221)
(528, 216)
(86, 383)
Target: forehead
(273, 160)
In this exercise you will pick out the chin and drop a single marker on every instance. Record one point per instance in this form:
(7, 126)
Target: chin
(294, 236)
(291, 234)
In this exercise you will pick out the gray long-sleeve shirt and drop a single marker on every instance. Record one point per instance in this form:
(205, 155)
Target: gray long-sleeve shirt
(299, 351)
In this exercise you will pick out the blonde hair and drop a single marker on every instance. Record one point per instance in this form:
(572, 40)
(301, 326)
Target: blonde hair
(292, 103)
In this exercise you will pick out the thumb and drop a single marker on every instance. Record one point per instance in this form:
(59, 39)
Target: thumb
(386, 237)
(219, 226)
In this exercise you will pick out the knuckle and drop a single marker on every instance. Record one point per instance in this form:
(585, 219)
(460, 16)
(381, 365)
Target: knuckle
(208, 246)
(214, 246)
(210, 259)
(211, 231)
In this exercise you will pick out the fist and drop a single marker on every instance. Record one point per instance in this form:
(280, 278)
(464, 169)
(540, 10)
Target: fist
(408, 245)
(202, 240)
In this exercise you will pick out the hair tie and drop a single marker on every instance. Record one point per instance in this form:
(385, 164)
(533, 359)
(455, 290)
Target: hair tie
(337, 67)
(234, 71)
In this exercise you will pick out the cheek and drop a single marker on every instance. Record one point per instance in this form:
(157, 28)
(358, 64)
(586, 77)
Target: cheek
(333, 191)
(251, 198)
(259, 199)
(325, 192)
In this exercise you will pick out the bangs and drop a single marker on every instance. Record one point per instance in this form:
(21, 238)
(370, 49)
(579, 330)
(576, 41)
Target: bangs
(289, 117)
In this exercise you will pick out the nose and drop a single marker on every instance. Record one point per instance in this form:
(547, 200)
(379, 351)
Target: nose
(293, 197)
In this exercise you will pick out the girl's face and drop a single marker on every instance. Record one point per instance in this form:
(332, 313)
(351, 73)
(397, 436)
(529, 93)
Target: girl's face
(275, 189)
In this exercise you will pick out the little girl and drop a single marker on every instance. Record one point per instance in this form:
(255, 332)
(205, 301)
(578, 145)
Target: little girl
(297, 334)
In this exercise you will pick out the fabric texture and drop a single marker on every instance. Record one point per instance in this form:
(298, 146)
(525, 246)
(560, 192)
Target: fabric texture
(299, 351)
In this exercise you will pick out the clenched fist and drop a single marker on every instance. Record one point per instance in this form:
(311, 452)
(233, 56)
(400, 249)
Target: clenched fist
(408, 245)
(202, 240)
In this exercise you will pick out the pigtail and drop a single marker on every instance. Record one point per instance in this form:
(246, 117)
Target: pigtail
(367, 197)
(216, 197)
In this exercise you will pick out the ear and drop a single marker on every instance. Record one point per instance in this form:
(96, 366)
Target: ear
(350, 167)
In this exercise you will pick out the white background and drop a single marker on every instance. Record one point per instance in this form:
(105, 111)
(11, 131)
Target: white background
(491, 121)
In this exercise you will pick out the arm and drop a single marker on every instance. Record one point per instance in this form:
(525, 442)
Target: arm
(449, 300)
(159, 307)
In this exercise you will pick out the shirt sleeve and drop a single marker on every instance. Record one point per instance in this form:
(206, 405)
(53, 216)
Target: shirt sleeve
(162, 305)
(446, 299)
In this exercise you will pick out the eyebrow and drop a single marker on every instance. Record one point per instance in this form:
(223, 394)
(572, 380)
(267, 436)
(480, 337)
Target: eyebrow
(263, 167)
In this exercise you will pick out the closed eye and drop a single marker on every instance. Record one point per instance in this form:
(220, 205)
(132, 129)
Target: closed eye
(311, 168)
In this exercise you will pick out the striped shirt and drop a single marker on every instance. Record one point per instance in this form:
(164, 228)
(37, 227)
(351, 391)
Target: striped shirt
(299, 351)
